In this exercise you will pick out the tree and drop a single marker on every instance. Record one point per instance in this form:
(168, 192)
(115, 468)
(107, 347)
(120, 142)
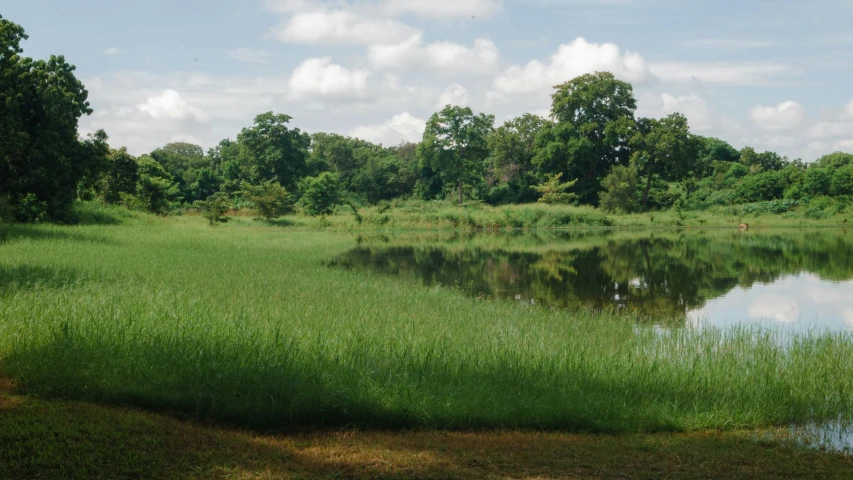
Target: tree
(40, 104)
(665, 147)
(215, 207)
(269, 198)
(121, 176)
(455, 146)
(620, 189)
(513, 147)
(274, 152)
(594, 121)
(320, 194)
(555, 192)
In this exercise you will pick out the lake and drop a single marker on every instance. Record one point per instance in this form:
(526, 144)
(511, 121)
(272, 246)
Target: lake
(790, 278)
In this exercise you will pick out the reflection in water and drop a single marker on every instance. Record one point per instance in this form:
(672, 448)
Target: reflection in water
(718, 276)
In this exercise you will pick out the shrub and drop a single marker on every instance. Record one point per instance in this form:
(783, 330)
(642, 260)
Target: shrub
(620, 190)
(320, 194)
(555, 192)
(215, 207)
(270, 199)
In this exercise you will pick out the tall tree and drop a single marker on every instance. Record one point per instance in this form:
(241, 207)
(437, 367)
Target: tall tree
(593, 114)
(455, 145)
(665, 147)
(275, 152)
(513, 147)
(40, 104)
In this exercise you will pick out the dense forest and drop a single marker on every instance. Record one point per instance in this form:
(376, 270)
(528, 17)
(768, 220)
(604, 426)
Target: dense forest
(593, 150)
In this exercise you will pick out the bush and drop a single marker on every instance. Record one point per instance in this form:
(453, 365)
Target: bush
(270, 199)
(620, 190)
(215, 207)
(320, 194)
(31, 210)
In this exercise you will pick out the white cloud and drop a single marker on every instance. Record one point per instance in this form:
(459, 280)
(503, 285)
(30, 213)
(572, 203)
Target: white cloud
(570, 61)
(319, 77)
(743, 74)
(170, 105)
(340, 27)
(112, 51)
(402, 127)
(442, 8)
(454, 94)
(694, 107)
(780, 308)
(785, 116)
(445, 57)
(249, 56)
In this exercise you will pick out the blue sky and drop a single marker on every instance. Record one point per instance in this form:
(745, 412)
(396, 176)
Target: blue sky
(776, 75)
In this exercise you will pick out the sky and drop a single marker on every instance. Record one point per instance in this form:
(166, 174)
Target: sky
(775, 75)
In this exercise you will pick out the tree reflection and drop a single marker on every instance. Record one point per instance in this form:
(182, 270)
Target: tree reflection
(662, 274)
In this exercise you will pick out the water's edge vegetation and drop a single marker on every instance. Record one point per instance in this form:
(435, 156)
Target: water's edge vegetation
(244, 323)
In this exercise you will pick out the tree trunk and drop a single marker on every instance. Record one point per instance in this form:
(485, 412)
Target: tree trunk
(460, 191)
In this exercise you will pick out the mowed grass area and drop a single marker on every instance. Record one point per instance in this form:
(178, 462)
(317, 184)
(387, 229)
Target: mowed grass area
(243, 323)
(72, 440)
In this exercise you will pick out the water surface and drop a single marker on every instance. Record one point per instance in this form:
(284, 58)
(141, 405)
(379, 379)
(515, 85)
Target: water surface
(793, 278)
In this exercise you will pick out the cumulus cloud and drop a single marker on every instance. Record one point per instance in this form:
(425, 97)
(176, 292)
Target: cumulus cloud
(402, 127)
(170, 105)
(341, 27)
(777, 307)
(441, 57)
(442, 8)
(454, 94)
(569, 61)
(112, 51)
(745, 74)
(319, 77)
(694, 107)
(785, 116)
(249, 56)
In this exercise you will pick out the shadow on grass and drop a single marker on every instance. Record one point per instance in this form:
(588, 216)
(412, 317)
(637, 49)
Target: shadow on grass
(12, 232)
(26, 277)
(65, 440)
(280, 222)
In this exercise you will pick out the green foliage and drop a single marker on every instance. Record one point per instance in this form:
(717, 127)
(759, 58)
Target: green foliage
(31, 210)
(620, 190)
(320, 194)
(269, 198)
(271, 151)
(594, 115)
(41, 158)
(455, 146)
(120, 177)
(552, 191)
(215, 207)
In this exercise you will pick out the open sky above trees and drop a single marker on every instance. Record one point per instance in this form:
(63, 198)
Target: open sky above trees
(772, 75)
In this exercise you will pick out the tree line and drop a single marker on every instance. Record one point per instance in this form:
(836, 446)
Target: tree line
(593, 150)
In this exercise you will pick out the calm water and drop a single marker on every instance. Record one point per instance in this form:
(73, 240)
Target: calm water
(794, 278)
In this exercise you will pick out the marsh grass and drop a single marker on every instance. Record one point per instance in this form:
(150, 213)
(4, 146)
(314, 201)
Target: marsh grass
(243, 323)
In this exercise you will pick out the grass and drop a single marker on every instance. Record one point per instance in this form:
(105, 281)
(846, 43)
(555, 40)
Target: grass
(244, 324)
(72, 440)
(445, 215)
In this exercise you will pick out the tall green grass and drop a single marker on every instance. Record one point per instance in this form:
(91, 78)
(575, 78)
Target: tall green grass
(244, 323)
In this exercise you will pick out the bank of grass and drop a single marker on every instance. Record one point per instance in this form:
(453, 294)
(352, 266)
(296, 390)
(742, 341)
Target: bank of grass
(445, 215)
(72, 440)
(243, 323)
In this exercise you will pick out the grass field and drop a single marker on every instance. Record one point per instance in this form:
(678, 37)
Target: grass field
(73, 440)
(243, 323)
